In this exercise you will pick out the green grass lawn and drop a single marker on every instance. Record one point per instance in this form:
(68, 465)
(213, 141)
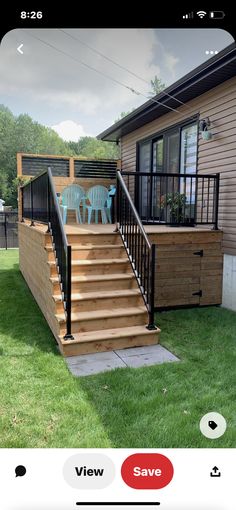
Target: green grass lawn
(43, 405)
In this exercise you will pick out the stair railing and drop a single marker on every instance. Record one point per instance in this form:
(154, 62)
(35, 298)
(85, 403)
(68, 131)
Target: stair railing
(39, 203)
(140, 251)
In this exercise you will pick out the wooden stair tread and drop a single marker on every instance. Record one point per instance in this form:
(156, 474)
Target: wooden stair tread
(95, 262)
(89, 262)
(96, 278)
(101, 294)
(84, 247)
(103, 314)
(106, 334)
(96, 246)
(90, 232)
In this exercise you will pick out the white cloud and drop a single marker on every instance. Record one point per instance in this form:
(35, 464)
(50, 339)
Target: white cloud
(171, 62)
(83, 102)
(70, 130)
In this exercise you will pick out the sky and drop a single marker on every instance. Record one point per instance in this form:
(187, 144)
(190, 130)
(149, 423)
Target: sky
(64, 81)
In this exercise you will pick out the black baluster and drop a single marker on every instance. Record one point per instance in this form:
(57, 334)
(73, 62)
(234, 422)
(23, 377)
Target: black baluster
(202, 199)
(208, 199)
(31, 204)
(216, 200)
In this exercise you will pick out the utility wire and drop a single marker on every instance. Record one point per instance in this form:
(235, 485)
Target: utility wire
(134, 91)
(116, 63)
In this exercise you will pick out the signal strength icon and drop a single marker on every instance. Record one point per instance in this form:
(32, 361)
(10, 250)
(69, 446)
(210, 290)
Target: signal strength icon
(201, 14)
(190, 15)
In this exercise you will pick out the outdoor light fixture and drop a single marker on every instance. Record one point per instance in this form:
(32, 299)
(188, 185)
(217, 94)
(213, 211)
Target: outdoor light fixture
(204, 125)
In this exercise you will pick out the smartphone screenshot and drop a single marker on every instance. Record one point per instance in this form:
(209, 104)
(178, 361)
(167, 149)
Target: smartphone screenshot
(118, 259)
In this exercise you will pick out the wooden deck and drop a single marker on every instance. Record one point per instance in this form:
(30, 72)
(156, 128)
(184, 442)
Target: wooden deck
(150, 229)
(108, 311)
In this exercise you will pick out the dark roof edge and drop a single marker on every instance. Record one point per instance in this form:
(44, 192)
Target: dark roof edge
(173, 89)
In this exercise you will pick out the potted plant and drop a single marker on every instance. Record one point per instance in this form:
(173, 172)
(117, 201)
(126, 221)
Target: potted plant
(176, 202)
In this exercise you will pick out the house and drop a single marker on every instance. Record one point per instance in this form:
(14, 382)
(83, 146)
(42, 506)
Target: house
(98, 285)
(198, 137)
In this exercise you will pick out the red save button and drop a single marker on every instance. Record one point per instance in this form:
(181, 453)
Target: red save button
(147, 471)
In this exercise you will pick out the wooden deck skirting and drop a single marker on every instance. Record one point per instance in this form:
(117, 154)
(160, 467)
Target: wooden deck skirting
(189, 267)
(35, 269)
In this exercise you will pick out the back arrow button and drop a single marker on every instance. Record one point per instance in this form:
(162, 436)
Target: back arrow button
(19, 49)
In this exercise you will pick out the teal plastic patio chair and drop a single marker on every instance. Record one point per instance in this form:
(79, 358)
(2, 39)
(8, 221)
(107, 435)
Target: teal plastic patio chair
(97, 196)
(111, 193)
(71, 198)
(63, 209)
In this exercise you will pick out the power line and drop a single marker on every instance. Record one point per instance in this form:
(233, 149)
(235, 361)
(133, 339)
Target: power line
(134, 91)
(103, 55)
(109, 59)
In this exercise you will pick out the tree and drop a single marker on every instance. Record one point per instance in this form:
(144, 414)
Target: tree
(23, 134)
(90, 147)
(157, 86)
(123, 114)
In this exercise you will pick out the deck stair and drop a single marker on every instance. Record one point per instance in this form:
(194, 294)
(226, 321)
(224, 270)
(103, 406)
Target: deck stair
(108, 311)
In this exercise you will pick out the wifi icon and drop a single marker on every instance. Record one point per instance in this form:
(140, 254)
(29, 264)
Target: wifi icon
(201, 14)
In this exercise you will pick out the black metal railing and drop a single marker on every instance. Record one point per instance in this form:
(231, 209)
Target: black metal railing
(39, 203)
(173, 198)
(8, 229)
(140, 251)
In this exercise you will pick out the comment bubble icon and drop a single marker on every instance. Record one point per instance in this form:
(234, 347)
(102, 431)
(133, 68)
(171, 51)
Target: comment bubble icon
(20, 471)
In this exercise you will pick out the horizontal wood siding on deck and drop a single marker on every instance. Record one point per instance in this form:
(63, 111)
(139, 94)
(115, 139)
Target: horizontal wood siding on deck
(35, 270)
(216, 155)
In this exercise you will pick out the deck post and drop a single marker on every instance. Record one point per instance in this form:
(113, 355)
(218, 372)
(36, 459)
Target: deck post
(151, 325)
(21, 204)
(48, 202)
(68, 335)
(19, 164)
(217, 193)
(117, 203)
(31, 204)
(72, 169)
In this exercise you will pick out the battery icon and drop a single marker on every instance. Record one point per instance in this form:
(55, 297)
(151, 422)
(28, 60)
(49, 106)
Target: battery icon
(217, 15)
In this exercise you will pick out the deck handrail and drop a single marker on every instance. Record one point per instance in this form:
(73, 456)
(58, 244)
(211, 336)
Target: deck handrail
(169, 174)
(39, 203)
(186, 199)
(140, 251)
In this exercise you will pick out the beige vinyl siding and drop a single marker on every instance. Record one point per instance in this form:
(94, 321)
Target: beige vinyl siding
(216, 155)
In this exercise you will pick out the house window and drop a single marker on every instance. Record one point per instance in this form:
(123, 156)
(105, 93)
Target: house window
(188, 150)
(157, 165)
(174, 151)
(188, 162)
(145, 157)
